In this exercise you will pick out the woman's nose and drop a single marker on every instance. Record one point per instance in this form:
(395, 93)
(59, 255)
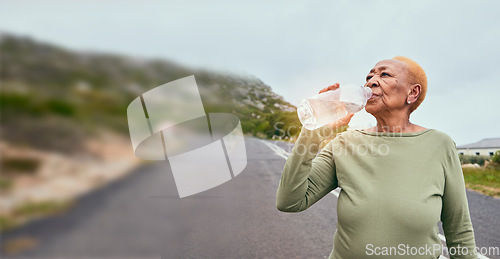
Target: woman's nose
(372, 83)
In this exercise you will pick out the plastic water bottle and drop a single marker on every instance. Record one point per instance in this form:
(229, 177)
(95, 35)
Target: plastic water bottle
(321, 109)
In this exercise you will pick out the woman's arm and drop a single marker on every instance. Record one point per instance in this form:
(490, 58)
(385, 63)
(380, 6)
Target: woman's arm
(304, 181)
(455, 216)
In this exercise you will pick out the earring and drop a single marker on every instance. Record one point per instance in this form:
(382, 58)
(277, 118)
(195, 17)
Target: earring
(408, 102)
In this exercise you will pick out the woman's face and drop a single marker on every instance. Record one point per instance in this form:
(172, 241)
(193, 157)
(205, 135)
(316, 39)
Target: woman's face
(389, 83)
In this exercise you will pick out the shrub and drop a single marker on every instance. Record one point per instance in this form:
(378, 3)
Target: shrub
(467, 159)
(496, 157)
(60, 107)
(19, 164)
(495, 160)
(247, 126)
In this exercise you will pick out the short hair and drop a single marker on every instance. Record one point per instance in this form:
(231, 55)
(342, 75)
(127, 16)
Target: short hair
(416, 76)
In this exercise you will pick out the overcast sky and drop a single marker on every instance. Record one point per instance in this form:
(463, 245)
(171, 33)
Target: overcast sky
(298, 47)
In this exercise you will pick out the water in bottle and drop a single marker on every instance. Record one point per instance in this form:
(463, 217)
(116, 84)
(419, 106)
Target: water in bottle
(319, 110)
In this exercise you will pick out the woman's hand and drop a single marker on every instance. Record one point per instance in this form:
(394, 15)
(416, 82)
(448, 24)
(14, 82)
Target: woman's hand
(342, 122)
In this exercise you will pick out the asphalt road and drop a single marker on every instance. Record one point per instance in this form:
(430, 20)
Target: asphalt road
(141, 216)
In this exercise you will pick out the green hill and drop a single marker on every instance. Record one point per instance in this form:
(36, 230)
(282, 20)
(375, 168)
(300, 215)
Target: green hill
(53, 98)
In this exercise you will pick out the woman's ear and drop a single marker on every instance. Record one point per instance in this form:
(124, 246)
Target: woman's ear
(413, 94)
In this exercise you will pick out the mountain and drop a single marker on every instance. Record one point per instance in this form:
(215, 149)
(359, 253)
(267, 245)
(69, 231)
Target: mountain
(52, 98)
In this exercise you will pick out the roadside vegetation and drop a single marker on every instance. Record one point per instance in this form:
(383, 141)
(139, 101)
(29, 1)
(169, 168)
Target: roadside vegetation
(486, 177)
(30, 211)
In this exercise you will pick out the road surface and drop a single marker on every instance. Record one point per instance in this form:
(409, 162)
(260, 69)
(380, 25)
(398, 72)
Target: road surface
(141, 216)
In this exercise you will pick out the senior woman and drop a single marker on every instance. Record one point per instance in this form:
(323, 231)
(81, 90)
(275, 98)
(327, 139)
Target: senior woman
(397, 179)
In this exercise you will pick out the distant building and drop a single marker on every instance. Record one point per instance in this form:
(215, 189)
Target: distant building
(484, 147)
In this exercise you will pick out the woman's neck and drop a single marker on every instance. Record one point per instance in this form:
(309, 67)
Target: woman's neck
(395, 123)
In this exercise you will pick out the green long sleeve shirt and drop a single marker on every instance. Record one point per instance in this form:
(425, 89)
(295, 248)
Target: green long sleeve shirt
(396, 187)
